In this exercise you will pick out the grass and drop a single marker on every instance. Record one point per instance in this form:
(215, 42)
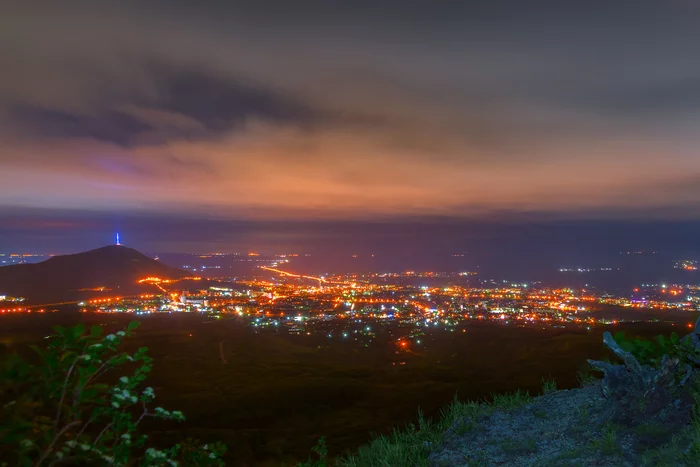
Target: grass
(549, 385)
(673, 453)
(413, 445)
(683, 449)
(607, 443)
(458, 410)
(585, 376)
(510, 401)
(519, 446)
(583, 414)
(582, 420)
(410, 446)
(650, 430)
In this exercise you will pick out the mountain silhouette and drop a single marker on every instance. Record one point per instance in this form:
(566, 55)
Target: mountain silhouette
(69, 277)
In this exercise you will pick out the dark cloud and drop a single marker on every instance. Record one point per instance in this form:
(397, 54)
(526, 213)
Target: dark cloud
(187, 104)
(352, 109)
(220, 103)
(112, 127)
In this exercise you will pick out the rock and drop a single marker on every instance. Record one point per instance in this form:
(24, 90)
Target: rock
(618, 421)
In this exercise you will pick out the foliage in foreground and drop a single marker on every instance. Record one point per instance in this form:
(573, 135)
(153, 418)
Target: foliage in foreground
(651, 351)
(81, 401)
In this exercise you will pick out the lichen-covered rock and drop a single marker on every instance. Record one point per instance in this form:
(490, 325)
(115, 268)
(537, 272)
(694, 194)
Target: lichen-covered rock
(560, 428)
(619, 421)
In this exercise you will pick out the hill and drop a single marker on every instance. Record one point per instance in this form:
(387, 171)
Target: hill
(70, 277)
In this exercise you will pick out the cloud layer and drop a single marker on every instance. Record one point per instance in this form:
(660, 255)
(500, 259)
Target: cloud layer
(268, 111)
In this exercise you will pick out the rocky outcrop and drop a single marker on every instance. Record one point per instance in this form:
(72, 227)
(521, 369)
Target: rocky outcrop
(636, 415)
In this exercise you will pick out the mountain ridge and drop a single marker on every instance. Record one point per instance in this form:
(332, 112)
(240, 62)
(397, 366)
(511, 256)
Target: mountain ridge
(66, 277)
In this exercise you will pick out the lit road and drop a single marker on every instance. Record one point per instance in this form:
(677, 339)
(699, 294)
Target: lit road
(289, 274)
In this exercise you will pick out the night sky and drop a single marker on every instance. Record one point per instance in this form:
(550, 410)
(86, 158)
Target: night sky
(197, 126)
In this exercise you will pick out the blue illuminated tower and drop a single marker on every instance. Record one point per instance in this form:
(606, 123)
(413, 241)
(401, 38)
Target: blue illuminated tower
(118, 239)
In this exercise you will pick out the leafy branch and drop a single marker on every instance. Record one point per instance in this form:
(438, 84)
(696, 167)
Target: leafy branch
(67, 406)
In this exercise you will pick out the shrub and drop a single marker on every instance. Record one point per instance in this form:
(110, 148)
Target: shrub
(81, 401)
(650, 351)
(321, 451)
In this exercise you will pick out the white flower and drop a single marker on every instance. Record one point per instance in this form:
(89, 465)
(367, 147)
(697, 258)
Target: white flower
(115, 405)
(110, 337)
(154, 453)
(86, 358)
(121, 334)
(123, 380)
(71, 443)
(85, 447)
(172, 463)
(133, 399)
(205, 447)
(212, 455)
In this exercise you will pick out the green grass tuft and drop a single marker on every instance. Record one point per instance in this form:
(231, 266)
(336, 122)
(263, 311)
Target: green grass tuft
(410, 446)
(683, 449)
(607, 443)
(585, 376)
(461, 416)
(549, 385)
(458, 410)
(510, 401)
